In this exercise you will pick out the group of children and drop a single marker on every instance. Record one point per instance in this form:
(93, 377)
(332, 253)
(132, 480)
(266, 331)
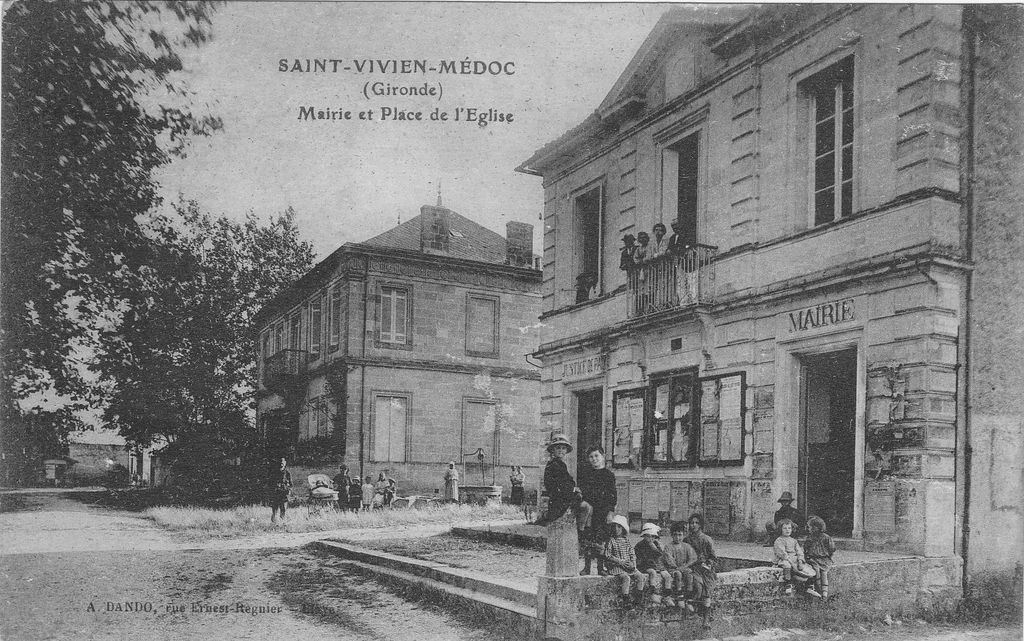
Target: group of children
(365, 495)
(681, 573)
(642, 248)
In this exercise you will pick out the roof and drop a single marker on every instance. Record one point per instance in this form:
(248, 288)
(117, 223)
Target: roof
(688, 21)
(467, 239)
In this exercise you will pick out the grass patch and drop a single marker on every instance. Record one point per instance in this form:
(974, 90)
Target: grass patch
(255, 519)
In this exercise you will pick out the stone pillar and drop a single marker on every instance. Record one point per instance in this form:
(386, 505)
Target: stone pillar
(563, 548)
(559, 594)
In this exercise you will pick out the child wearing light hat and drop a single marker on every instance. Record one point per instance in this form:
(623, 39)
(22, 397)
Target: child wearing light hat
(559, 484)
(661, 569)
(620, 561)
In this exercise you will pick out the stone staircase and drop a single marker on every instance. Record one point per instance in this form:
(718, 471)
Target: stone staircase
(508, 604)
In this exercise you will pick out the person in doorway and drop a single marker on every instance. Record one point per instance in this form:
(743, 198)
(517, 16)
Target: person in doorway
(786, 511)
(367, 492)
(280, 487)
(451, 484)
(704, 569)
(561, 487)
(818, 549)
(597, 487)
(651, 558)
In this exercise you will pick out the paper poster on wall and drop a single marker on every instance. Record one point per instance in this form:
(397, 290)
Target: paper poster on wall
(681, 410)
(709, 439)
(664, 496)
(680, 504)
(650, 500)
(709, 399)
(636, 495)
(729, 401)
(636, 413)
(622, 412)
(731, 439)
(661, 402)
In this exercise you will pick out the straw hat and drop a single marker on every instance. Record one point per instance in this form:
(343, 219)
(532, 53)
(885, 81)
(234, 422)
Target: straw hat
(558, 439)
(786, 496)
(650, 528)
(620, 520)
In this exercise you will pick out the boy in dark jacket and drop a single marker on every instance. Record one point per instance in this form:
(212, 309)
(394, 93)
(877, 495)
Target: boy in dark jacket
(599, 497)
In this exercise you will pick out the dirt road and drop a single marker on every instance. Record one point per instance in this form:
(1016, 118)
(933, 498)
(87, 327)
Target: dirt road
(70, 570)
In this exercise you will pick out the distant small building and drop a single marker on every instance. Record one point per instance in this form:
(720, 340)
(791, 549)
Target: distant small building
(407, 351)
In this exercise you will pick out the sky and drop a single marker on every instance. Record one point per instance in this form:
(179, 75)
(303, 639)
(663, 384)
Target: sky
(349, 180)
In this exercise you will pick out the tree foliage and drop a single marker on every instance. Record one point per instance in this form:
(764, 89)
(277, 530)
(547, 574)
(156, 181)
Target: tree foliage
(92, 104)
(181, 365)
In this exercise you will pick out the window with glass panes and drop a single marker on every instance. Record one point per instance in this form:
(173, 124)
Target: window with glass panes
(671, 425)
(393, 315)
(315, 326)
(830, 94)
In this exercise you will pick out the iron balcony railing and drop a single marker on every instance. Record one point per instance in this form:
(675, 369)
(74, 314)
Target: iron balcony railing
(672, 281)
(284, 366)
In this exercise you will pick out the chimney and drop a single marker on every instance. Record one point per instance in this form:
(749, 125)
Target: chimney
(519, 244)
(435, 224)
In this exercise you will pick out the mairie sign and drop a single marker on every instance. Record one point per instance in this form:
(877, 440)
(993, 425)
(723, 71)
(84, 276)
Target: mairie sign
(823, 315)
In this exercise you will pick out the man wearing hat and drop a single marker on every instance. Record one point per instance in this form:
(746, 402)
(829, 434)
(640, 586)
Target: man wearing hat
(560, 486)
(787, 511)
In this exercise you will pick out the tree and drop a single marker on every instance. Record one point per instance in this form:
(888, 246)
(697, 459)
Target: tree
(181, 365)
(92, 104)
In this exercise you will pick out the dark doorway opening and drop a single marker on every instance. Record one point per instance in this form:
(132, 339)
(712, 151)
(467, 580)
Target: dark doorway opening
(827, 436)
(588, 423)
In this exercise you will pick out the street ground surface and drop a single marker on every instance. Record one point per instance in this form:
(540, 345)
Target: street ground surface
(69, 569)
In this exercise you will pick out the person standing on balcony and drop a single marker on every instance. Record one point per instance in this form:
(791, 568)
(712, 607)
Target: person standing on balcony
(626, 260)
(676, 244)
(659, 246)
(642, 253)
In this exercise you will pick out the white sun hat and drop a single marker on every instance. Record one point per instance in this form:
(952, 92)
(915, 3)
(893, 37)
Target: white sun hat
(650, 528)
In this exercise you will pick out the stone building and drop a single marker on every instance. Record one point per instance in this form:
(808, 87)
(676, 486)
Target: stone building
(838, 321)
(405, 352)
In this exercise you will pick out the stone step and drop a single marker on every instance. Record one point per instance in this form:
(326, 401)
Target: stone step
(521, 595)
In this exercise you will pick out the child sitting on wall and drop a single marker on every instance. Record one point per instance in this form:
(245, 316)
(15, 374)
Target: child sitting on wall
(684, 558)
(819, 548)
(620, 561)
(789, 556)
(662, 573)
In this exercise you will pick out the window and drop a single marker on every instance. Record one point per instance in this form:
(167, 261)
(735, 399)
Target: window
(589, 225)
(279, 337)
(293, 332)
(680, 420)
(671, 434)
(830, 105)
(335, 317)
(722, 407)
(680, 183)
(390, 426)
(479, 431)
(482, 326)
(393, 316)
(315, 327)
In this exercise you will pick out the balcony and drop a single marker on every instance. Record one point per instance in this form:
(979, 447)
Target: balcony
(285, 367)
(672, 281)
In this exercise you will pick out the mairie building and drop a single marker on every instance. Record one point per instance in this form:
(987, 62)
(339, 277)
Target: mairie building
(841, 317)
(405, 352)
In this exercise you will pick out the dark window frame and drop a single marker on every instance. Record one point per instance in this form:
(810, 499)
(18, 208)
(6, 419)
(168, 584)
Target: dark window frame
(379, 341)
